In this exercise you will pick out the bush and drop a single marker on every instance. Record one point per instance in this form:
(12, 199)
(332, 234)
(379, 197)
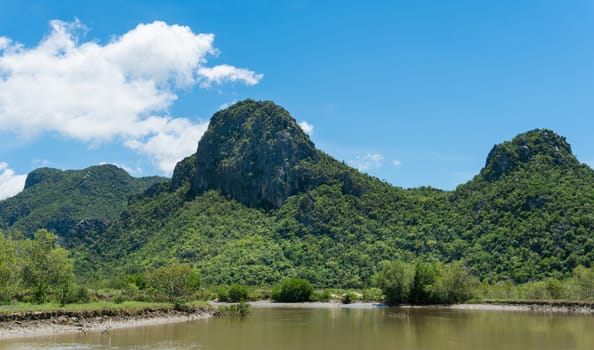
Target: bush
(348, 297)
(176, 282)
(395, 279)
(241, 309)
(293, 290)
(584, 281)
(237, 293)
(222, 295)
(322, 295)
(372, 294)
(425, 276)
(453, 284)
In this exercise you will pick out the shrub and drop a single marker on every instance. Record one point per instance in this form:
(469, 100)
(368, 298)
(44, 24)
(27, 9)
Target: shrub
(293, 290)
(177, 282)
(241, 309)
(395, 279)
(372, 294)
(348, 297)
(584, 280)
(322, 295)
(237, 293)
(453, 284)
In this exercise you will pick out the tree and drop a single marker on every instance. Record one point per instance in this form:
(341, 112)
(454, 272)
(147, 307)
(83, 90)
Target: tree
(584, 280)
(453, 284)
(237, 293)
(293, 290)
(8, 268)
(395, 279)
(425, 276)
(46, 267)
(174, 281)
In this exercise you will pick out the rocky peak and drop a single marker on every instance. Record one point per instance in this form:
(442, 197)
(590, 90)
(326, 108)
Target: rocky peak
(252, 152)
(539, 145)
(42, 175)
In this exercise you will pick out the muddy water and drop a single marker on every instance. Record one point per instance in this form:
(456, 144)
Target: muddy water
(345, 329)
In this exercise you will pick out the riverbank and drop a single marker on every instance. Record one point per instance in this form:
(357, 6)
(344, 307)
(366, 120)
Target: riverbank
(64, 321)
(316, 305)
(528, 306)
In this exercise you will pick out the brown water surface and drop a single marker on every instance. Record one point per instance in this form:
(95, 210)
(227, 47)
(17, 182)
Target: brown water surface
(345, 329)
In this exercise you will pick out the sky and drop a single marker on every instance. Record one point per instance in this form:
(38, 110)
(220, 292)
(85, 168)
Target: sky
(415, 93)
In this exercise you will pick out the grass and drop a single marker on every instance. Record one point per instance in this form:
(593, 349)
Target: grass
(533, 301)
(96, 306)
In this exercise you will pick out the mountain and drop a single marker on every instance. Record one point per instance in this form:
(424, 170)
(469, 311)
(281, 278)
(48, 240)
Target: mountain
(71, 203)
(258, 202)
(254, 152)
(529, 211)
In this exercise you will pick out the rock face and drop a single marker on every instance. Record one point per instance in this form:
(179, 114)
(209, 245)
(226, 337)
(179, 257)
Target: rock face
(539, 145)
(253, 152)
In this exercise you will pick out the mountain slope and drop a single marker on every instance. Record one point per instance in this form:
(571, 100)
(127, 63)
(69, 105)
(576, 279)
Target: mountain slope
(530, 210)
(253, 151)
(227, 226)
(258, 202)
(71, 202)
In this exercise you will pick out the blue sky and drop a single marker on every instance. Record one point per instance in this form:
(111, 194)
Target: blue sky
(415, 93)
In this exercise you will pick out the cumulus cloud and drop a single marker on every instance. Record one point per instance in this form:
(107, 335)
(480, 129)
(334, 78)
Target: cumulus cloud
(4, 41)
(176, 139)
(226, 105)
(307, 127)
(396, 163)
(10, 183)
(227, 73)
(368, 161)
(137, 171)
(120, 90)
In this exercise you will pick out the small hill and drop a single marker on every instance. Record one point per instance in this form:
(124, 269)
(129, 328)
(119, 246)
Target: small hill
(71, 202)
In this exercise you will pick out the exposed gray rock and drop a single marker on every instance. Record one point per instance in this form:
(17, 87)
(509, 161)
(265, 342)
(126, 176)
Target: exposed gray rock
(252, 151)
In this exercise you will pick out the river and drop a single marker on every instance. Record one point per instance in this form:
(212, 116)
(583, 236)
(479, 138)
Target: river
(345, 329)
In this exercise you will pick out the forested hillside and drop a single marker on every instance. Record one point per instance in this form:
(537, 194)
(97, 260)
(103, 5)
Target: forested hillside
(258, 202)
(529, 213)
(74, 204)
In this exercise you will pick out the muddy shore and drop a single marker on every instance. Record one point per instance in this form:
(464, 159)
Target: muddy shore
(556, 307)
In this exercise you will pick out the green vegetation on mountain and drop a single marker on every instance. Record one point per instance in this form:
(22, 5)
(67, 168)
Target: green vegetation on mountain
(261, 204)
(258, 204)
(529, 213)
(75, 204)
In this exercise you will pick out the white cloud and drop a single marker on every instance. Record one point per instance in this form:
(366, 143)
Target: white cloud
(4, 41)
(368, 161)
(396, 163)
(176, 139)
(10, 183)
(306, 127)
(226, 105)
(120, 91)
(224, 73)
(132, 171)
